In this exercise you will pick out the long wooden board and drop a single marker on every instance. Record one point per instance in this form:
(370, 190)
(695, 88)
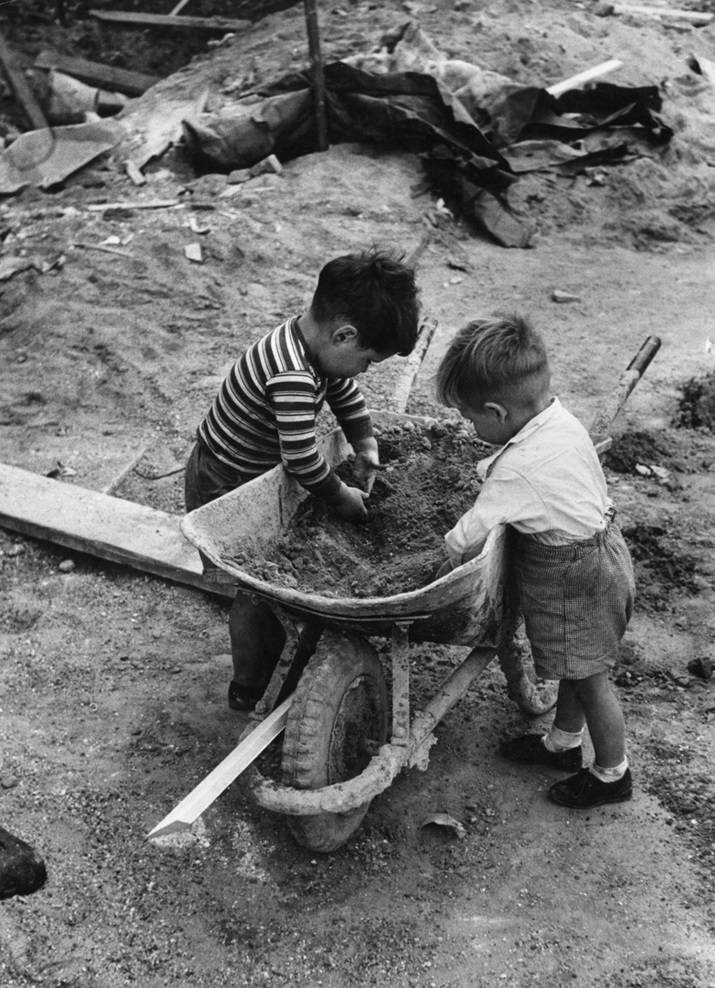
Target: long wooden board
(209, 789)
(97, 74)
(211, 25)
(109, 527)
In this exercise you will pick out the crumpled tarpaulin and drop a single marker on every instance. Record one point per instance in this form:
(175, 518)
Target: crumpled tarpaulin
(472, 169)
(524, 113)
(407, 111)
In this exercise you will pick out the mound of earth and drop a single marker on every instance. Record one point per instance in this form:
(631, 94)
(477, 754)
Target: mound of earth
(427, 480)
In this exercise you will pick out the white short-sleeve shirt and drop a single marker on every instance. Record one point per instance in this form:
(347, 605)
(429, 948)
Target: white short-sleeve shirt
(546, 482)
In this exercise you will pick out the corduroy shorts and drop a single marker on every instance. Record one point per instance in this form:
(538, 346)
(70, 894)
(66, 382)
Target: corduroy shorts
(576, 600)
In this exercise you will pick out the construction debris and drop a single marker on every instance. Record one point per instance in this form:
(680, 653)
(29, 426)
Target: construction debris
(107, 77)
(167, 22)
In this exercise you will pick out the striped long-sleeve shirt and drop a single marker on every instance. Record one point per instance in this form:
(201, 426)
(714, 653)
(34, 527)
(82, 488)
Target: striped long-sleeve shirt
(265, 411)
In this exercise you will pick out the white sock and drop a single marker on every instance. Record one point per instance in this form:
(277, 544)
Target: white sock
(612, 774)
(558, 740)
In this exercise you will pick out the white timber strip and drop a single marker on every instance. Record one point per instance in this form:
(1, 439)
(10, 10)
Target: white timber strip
(397, 402)
(209, 789)
(99, 207)
(643, 10)
(178, 8)
(574, 81)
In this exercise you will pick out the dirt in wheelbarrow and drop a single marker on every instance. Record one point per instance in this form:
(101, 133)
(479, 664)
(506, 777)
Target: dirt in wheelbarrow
(113, 682)
(427, 479)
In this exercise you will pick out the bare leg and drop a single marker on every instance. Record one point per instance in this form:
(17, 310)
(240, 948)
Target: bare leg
(593, 702)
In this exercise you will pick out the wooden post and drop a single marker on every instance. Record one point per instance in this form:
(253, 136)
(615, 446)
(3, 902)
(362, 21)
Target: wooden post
(316, 65)
(21, 87)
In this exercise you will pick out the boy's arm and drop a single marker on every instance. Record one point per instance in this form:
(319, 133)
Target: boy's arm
(348, 406)
(506, 496)
(292, 398)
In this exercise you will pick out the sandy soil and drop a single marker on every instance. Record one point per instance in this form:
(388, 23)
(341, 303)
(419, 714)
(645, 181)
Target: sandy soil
(113, 682)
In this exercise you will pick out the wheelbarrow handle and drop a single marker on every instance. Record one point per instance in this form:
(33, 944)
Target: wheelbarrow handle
(648, 350)
(614, 402)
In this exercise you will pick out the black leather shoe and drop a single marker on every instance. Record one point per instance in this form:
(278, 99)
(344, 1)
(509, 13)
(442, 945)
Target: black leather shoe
(584, 790)
(529, 749)
(242, 697)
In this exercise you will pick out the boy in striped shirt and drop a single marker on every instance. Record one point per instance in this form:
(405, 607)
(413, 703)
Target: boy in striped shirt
(363, 311)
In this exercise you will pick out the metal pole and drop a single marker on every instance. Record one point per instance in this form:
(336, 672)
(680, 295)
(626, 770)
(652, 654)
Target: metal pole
(316, 65)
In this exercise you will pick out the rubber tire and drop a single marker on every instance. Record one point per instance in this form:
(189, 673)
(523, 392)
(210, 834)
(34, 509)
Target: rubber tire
(341, 700)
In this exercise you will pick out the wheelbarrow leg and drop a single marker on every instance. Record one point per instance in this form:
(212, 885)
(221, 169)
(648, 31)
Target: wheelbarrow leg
(450, 692)
(301, 639)
(514, 654)
(400, 684)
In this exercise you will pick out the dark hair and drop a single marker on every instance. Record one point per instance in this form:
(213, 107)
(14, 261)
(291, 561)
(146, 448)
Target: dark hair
(376, 292)
(503, 358)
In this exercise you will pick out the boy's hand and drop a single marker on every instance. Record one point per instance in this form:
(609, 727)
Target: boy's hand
(350, 504)
(367, 463)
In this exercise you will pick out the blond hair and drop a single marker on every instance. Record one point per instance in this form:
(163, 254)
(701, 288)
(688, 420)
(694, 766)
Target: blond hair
(501, 359)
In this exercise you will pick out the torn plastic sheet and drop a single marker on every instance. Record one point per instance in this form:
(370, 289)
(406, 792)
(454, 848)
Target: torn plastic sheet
(413, 111)
(44, 158)
(406, 111)
(530, 112)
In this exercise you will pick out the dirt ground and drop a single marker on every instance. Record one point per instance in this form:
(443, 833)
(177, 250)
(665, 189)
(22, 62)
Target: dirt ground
(114, 682)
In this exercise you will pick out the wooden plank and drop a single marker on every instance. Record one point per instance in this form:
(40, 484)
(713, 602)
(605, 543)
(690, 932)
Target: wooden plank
(578, 80)
(694, 16)
(100, 207)
(316, 69)
(397, 401)
(97, 74)
(210, 25)
(209, 789)
(21, 87)
(100, 525)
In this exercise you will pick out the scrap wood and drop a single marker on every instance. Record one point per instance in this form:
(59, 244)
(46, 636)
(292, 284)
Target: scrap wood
(178, 8)
(574, 81)
(397, 401)
(211, 25)
(102, 247)
(199, 799)
(44, 158)
(100, 525)
(316, 69)
(97, 74)
(99, 207)
(21, 87)
(694, 16)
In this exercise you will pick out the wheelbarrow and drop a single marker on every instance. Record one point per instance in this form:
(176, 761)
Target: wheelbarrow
(345, 741)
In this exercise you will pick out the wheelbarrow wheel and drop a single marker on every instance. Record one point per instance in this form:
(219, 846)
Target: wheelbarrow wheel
(339, 705)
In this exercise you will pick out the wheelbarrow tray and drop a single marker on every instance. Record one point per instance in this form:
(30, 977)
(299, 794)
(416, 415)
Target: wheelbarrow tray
(460, 608)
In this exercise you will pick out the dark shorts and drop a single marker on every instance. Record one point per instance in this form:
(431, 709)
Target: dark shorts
(205, 479)
(576, 600)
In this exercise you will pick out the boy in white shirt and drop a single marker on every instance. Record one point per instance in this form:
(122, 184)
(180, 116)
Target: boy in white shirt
(573, 569)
